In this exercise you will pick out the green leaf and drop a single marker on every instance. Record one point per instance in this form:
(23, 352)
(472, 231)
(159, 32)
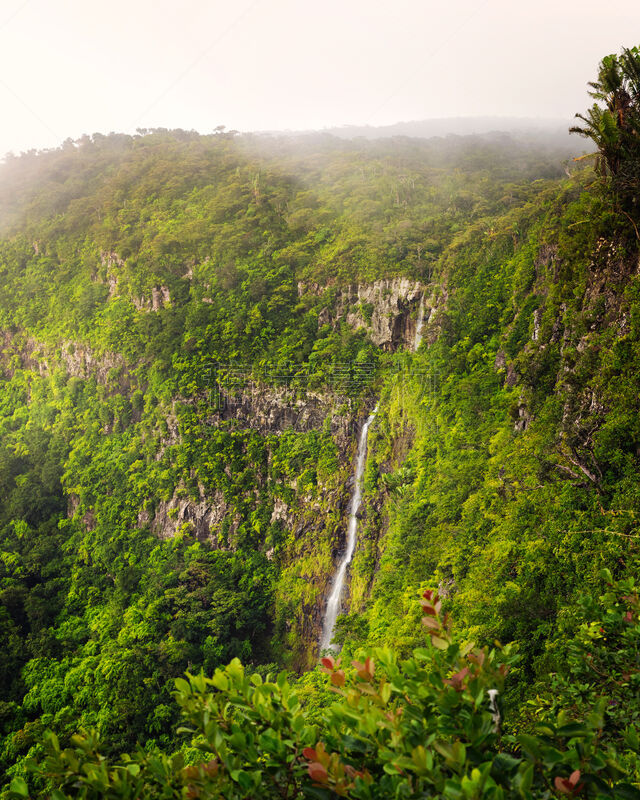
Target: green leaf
(184, 687)
(505, 762)
(530, 744)
(19, 786)
(573, 729)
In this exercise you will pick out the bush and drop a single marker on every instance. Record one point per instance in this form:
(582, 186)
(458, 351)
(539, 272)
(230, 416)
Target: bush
(428, 726)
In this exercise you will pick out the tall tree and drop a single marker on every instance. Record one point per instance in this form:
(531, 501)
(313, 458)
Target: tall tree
(613, 123)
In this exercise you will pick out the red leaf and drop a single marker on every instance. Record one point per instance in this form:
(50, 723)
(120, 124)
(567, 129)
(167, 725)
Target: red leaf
(338, 678)
(328, 662)
(457, 680)
(317, 772)
(569, 785)
(563, 786)
(310, 753)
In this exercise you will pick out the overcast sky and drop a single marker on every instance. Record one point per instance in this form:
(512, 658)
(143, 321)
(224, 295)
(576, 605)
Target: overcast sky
(69, 67)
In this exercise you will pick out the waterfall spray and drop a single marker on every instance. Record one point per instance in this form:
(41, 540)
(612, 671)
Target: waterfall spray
(335, 598)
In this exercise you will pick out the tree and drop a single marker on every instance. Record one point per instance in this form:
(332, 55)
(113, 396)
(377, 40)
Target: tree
(615, 128)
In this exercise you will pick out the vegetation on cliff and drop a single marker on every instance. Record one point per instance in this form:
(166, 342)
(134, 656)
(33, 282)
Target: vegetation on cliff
(167, 301)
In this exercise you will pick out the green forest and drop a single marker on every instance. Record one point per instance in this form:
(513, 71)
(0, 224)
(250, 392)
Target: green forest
(193, 330)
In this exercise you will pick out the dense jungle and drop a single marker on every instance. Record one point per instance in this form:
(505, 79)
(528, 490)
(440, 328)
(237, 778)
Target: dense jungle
(194, 329)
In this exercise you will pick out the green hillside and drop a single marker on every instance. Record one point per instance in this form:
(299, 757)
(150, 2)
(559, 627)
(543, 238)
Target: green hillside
(193, 330)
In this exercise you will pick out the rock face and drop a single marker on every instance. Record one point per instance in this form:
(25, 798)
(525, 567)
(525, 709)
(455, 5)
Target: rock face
(80, 361)
(204, 517)
(112, 264)
(160, 298)
(387, 309)
(271, 411)
(274, 410)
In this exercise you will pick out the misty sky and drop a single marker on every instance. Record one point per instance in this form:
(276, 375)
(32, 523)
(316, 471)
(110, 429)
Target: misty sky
(69, 67)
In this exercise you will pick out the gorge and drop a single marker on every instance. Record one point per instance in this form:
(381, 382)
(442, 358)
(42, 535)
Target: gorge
(270, 397)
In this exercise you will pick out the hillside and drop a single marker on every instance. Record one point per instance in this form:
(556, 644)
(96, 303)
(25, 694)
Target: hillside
(194, 329)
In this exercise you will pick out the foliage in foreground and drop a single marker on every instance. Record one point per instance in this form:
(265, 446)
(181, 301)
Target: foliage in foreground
(428, 726)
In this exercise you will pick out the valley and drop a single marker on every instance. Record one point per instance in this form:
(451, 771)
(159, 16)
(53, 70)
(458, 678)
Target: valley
(269, 398)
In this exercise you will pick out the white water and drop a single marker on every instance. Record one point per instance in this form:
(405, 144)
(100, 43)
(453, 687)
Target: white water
(419, 323)
(335, 598)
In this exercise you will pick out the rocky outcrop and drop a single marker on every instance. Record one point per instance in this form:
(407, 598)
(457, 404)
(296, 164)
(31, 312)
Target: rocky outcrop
(87, 519)
(79, 360)
(110, 261)
(271, 411)
(387, 309)
(160, 298)
(274, 410)
(203, 517)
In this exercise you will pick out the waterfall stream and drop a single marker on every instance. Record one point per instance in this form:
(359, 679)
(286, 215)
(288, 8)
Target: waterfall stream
(335, 598)
(419, 323)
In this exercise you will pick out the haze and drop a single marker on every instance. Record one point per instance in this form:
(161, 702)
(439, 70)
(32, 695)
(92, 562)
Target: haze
(72, 67)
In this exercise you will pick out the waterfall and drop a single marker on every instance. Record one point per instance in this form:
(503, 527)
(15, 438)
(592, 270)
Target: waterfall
(334, 601)
(420, 321)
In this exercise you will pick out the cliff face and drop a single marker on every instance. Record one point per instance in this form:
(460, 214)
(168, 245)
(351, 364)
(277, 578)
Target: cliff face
(271, 412)
(269, 409)
(387, 309)
(20, 351)
(157, 297)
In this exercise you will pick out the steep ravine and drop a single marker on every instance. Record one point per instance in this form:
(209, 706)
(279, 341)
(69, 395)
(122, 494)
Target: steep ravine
(309, 527)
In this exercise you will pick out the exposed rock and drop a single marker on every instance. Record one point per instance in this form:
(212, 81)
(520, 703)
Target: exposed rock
(160, 298)
(546, 256)
(270, 409)
(512, 376)
(386, 309)
(537, 319)
(112, 283)
(280, 511)
(524, 418)
(82, 362)
(79, 360)
(109, 258)
(447, 587)
(87, 519)
(205, 516)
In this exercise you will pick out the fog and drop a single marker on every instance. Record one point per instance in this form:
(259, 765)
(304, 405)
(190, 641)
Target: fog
(72, 67)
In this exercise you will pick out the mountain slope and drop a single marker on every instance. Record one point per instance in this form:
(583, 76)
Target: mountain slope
(193, 330)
